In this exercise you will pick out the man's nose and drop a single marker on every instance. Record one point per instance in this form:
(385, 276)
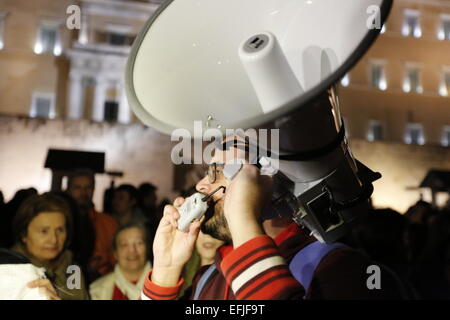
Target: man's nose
(203, 185)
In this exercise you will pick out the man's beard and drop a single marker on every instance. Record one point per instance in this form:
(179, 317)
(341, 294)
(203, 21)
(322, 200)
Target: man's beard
(215, 223)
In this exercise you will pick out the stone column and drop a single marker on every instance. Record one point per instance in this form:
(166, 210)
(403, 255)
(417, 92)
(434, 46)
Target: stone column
(124, 115)
(98, 112)
(83, 35)
(75, 97)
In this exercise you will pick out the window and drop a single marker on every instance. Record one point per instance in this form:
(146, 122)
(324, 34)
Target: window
(444, 29)
(414, 134)
(412, 82)
(378, 76)
(444, 89)
(376, 131)
(411, 24)
(48, 39)
(446, 136)
(43, 105)
(2, 29)
(111, 111)
(117, 39)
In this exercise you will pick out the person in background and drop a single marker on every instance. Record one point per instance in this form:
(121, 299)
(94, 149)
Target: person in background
(124, 206)
(127, 280)
(203, 255)
(83, 239)
(42, 228)
(147, 202)
(206, 247)
(20, 280)
(81, 186)
(419, 217)
(2, 199)
(7, 215)
(431, 273)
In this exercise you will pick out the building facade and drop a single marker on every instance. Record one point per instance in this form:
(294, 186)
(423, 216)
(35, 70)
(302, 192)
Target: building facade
(400, 91)
(53, 68)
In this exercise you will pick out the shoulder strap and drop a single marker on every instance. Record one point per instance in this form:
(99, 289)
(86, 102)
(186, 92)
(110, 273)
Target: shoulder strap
(204, 279)
(305, 262)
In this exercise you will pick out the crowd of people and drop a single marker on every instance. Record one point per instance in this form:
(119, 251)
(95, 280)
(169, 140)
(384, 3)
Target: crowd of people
(56, 230)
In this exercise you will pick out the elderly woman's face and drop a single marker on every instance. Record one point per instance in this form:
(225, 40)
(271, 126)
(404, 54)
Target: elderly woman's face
(46, 235)
(131, 253)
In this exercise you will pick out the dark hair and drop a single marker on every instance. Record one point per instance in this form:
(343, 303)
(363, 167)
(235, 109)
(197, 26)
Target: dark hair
(146, 188)
(80, 173)
(131, 225)
(131, 190)
(33, 206)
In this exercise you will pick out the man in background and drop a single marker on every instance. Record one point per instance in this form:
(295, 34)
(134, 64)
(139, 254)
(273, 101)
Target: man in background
(81, 186)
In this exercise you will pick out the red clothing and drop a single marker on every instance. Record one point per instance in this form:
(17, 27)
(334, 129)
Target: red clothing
(258, 269)
(254, 271)
(118, 295)
(102, 260)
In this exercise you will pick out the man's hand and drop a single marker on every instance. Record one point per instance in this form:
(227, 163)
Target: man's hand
(172, 248)
(245, 199)
(45, 286)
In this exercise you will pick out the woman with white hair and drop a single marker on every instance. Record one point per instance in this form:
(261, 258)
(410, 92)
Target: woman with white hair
(126, 281)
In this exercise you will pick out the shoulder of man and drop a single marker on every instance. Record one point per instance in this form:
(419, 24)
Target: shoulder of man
(344, 273)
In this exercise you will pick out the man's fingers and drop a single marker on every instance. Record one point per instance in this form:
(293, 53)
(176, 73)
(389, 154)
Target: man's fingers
(178, 202)
(171, 215)
(194, 229)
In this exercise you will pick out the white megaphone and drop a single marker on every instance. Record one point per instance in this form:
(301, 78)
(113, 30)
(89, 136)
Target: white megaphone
(265, 64)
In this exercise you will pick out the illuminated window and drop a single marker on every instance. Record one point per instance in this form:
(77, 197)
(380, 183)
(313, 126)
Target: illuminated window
(414, 134)
(43, 105)
(411, 24)
(378, 76)
(444, 88)
(444, 29)
(2, 29)
(446, 136)
(375, 131)
(412, 82)
(48, 38)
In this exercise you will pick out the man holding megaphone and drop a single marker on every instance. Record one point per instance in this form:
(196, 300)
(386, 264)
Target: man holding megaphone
(262, 258)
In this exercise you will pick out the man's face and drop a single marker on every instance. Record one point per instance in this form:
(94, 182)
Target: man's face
(216, 224)
(82, 190)
(122, 203)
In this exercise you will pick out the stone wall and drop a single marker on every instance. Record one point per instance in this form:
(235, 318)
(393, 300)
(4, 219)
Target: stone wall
(140, 152)
(403, 167)
(144, 155)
